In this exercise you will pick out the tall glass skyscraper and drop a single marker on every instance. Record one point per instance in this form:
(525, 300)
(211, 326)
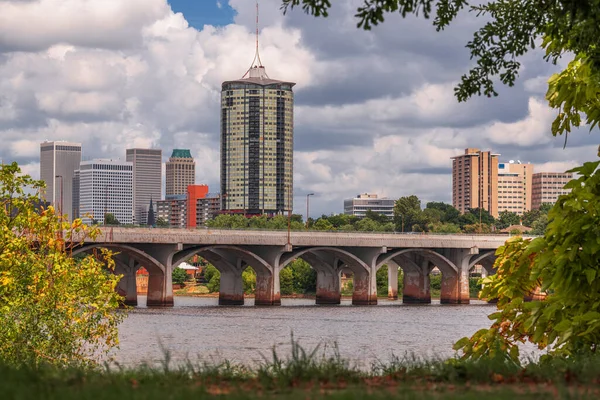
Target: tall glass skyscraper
(257, 144)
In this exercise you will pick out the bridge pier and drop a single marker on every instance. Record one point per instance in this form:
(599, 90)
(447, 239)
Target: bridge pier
(392, 268)
(328, 287)
(267, 289)
(231, 290)
(417, 286)
(455, 286)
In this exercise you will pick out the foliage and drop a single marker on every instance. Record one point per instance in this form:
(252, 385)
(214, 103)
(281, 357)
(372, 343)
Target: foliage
(565, 264)
(212, 277)
(564, 26)
(506, 219)
(54, 308)
(408, 215)
(179, 276)
(162, 223)
(237, 221)
(304, 278)
(477, 228)
(249, 280)
(110, 219)
(286, 282)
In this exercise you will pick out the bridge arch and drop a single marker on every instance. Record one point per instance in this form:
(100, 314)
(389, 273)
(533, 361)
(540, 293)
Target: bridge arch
(248, 257)
(149, 262)
(486, 260)
(436, 258)
(353, 262)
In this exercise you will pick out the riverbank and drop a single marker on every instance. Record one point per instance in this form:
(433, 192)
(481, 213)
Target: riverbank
(309, 374)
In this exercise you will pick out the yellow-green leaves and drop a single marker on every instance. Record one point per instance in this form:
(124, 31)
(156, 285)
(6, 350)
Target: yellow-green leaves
(565, 265)
(53, 308)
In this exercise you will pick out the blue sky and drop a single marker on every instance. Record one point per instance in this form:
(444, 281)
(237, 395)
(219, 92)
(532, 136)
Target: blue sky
(201, 12)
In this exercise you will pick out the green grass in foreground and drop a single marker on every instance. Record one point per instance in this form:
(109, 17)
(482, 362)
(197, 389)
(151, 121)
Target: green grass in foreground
(314, 374)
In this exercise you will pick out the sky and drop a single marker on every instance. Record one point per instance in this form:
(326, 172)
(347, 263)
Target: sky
(374, 111)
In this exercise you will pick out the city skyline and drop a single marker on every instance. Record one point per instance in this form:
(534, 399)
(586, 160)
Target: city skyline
(374, 113)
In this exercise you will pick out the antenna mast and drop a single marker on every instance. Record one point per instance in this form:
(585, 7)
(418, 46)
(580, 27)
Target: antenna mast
(256, 63)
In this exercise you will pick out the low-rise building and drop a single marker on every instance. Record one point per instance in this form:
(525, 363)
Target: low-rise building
(173, 210)
(359, 205)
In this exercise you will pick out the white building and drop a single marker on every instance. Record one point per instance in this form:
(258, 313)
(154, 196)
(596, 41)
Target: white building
(359, 205)
(58, 163)
(106, 187)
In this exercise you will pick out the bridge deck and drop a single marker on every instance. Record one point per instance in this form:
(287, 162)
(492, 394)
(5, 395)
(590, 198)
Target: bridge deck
(297, 238)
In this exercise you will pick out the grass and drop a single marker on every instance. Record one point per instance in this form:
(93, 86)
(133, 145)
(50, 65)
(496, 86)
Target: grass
(316, 373)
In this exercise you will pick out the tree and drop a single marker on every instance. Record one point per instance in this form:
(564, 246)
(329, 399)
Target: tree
(447, 213)
(377, 217)
(179, 276)
(54, 308)
(249, 280)
(567, 26)
(506, 219)
(564, 263)
(162, 223)
(213, 278)
(408, 213)
(110, 219)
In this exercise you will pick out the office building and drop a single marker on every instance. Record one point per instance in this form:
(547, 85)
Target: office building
(58, 162)
(173, 210)
(257, 135)
(475, 181)
(548, 186)
(180, 173)
(194, 193)
(514, 187)
(147, 173)
(359, 205)
(75, 196)
(106, 187)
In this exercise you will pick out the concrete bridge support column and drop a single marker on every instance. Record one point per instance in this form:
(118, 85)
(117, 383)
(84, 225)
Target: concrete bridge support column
(328, 287)
(364, 266)
(231, 290)
(160, 270)
(392, 280)
(455, 284)
(267, 288)
(125, 266)
(416, 281)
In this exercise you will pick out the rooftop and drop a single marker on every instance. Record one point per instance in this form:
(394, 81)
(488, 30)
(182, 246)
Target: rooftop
(181, 153)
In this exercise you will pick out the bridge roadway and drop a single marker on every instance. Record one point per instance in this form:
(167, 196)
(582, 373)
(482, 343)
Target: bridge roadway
(329, 253)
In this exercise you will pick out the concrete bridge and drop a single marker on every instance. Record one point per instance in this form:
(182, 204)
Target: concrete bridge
(268, 252)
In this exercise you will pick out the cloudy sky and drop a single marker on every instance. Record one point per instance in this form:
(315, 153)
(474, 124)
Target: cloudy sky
(374, 111)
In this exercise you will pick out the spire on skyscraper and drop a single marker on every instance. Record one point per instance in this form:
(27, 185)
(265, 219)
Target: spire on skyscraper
(256, 70)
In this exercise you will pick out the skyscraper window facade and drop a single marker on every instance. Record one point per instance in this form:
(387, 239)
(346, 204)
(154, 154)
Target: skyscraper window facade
(514, 187)
(58, 162)
(180, 173)
(106, 187)
(257, 135)
(548, 186)
(147, 173)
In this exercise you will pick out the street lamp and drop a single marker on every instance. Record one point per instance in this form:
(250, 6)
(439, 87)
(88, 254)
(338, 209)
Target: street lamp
(307, 207)
(60, 211)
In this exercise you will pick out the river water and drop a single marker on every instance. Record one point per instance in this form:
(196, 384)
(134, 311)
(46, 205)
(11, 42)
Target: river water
(198, 329)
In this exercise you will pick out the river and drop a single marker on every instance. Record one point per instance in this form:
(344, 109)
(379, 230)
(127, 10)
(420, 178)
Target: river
(199, 329)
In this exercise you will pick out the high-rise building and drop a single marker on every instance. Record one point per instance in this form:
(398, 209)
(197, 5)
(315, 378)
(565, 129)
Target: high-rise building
(147, 173)
(475, 181)
(181, 172)
(194, 193)
(547, 186)
(257, 135)
(359, 205)
(106, 187)
(58, 162)
(514, 187)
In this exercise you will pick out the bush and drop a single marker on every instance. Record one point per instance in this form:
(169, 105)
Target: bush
(213, 278)
(179, 276)
(249, 280)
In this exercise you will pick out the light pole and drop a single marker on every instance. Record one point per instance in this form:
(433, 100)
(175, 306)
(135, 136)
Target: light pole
(289, 235)
(105, 202)
(307, 207)
(60, 211)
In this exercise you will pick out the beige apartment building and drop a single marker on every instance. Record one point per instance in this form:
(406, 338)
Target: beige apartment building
(514, 187)
(547, 186)
(180, 173)
(257, 138)
(475, 181)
